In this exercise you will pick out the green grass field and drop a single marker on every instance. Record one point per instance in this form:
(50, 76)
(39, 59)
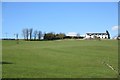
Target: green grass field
(59, 59)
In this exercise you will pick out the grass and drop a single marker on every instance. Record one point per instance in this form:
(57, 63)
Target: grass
(59, 59)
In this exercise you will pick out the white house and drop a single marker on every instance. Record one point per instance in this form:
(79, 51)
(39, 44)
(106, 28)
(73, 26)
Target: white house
(100, 35)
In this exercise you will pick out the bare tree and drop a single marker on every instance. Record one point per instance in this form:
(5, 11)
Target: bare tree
(17, 38)
(35, 34)
(25, 33)
(39, 35)
(30, 32)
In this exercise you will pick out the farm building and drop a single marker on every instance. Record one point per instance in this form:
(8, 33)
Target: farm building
(72, 34)
(100, 35)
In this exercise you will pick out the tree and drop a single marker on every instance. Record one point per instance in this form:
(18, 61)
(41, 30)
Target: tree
(16, 35)
(25, 33)
(17, 38)
(61, 35)
(30, 33)
(39, 35)
(108, 34)
(53, 36)
(57, 36)
(49, 36)
(35, 34)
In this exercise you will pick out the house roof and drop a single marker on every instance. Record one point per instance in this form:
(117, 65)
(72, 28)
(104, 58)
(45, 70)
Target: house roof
(96, 33)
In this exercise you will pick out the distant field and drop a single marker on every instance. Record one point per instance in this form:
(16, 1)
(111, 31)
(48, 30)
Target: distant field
(60, 59)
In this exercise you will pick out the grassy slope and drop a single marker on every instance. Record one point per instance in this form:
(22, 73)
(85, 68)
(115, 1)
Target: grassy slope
(49, 59)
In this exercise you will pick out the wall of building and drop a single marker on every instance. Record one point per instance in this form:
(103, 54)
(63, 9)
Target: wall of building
(101, 36)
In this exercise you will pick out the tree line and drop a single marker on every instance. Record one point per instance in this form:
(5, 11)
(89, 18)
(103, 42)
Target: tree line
(29, 34)
(53, 36)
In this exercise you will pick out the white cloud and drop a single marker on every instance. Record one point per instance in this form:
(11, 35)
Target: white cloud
(115, 28)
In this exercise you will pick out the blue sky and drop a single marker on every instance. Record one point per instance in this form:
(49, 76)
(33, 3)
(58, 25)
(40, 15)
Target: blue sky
(79, 17)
